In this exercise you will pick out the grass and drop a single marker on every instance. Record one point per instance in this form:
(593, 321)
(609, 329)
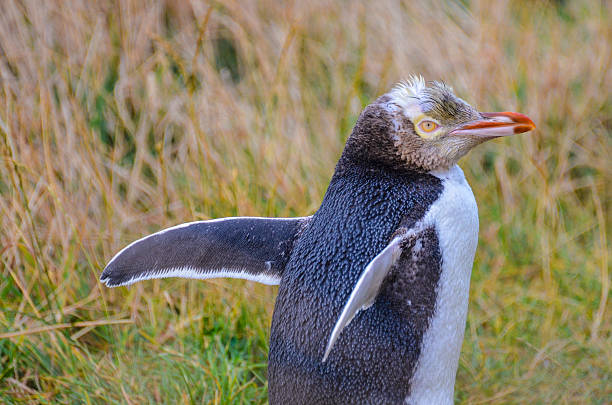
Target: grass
(120, 118)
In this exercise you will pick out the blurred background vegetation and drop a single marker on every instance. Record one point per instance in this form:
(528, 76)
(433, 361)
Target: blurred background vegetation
(120, 118)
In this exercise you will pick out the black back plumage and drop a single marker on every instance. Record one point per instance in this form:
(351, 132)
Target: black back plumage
(375, 357)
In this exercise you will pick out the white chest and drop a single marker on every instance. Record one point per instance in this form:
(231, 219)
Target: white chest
(455, 217)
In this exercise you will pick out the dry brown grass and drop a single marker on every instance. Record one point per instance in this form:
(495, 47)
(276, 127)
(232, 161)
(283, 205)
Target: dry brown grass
(119, 118)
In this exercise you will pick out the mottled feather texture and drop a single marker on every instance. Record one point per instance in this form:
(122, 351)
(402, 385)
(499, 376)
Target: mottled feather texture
(376, 355)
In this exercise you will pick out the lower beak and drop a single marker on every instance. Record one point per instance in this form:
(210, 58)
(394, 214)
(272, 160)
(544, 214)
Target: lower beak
(496, 124)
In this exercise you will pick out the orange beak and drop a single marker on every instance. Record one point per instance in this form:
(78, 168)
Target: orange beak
(496, 124)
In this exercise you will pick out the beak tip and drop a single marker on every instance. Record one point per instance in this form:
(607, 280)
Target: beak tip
(519, 129)
(516, 123)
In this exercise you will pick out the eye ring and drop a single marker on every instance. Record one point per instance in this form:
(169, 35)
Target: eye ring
(428, 126)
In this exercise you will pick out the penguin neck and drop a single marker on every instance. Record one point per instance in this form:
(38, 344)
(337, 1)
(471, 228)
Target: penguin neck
(371, 142)
(357, 158)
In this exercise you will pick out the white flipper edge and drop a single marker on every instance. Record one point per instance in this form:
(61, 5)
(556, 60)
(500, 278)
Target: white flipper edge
(367, 288)
(251, 248)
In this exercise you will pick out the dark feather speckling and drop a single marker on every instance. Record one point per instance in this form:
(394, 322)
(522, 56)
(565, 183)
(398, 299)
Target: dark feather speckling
(374, 358)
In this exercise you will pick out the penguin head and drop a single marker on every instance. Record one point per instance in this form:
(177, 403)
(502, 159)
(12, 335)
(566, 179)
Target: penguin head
(425, 126)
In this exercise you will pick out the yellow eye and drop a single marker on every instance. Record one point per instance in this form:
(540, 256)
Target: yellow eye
(428, 126)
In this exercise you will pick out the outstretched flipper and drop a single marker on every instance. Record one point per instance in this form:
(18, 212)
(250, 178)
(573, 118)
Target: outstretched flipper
(251, 248)
(368, 286)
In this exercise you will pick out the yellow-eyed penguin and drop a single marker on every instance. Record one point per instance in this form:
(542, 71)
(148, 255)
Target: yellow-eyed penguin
(374, 286)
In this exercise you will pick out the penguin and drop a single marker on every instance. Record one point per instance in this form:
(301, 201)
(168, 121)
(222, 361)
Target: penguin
(373, 287)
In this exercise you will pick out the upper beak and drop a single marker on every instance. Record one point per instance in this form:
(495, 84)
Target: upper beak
(496, 124)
